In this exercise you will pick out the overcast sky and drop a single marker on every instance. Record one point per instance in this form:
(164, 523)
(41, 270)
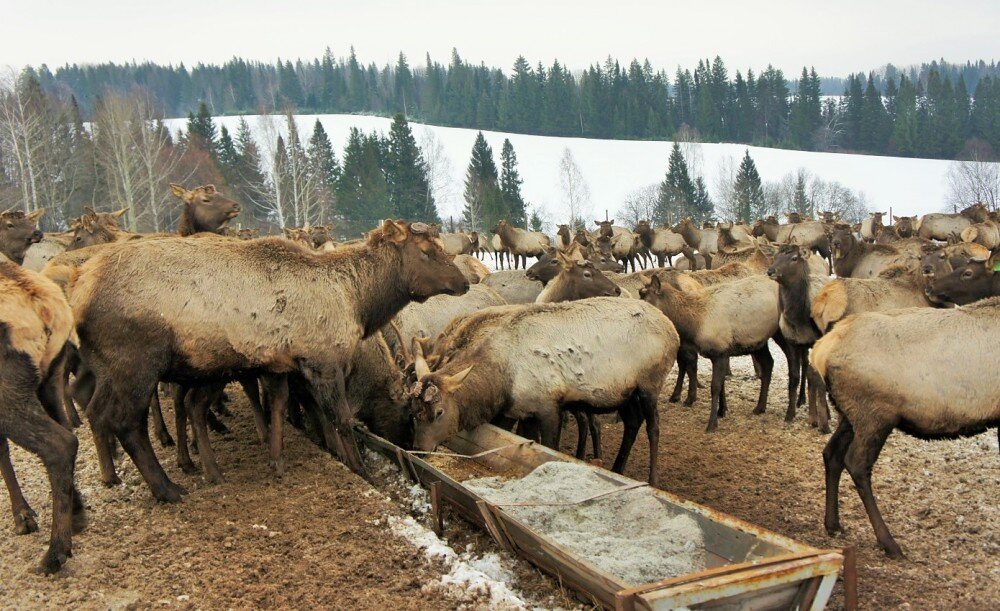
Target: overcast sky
(836, 37)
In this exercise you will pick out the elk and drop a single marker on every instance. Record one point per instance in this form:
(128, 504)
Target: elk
(856, 259)
(577, 280)
(727, 319)
(35, 325)
(908, 369)
(871, 226)
(548, 357)
(906, 226)
(430, 318)
(896, 287)
(564, 238)
(661, 242)
(623, 244)
(205, 209)
(18, 231)
(222, 326)
(242, 233)
(514, 286)
(499, 250)
(797, 289)
(937, 226)
(521, 243)
(692, 261)
(457, 243)
(705, 241)
(809, 234)
(547, 266)
(974, 281)
(472, 268)
(986, 234)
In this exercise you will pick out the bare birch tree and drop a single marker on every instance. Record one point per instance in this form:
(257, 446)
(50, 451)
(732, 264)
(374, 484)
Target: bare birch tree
(576, 192)
(974, 180)
(640, 204)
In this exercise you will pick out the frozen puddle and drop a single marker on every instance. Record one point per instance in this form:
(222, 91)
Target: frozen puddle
(631, 534)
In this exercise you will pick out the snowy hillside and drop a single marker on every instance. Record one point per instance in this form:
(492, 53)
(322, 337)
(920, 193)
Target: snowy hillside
(613, 168)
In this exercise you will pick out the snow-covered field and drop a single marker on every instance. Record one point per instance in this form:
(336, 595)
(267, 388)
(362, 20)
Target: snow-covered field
(613, 168)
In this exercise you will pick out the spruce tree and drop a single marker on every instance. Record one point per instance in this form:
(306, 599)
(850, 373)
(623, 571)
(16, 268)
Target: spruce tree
(324, 169)
(749, 192)
(201, 129)
(800, 200)
(510, 185)
(410, 195)
(362, 191)
(677, 191)
(250, 183)
(702, 206)
(483, 199)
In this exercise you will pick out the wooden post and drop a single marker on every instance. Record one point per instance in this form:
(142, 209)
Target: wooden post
(890, 215)
(850, 578)
(437, 509)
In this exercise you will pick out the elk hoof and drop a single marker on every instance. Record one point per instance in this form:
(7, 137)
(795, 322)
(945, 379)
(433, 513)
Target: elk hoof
(187, 467)
(165, 440)
(277, 467)
(825, 429)
(111, 482)
(894, 552)
(758, 410)
(171, 493)
(24, 522)
(53, 560)
(674, 399)
(688, 402)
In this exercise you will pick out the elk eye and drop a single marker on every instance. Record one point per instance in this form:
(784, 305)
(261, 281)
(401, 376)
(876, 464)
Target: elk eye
(967, 274)
(795, 258)
(553, 262)
(587, 274)
(424, 256)
(438, 412)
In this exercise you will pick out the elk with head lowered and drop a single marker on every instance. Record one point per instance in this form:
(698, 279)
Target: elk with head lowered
(259, 306)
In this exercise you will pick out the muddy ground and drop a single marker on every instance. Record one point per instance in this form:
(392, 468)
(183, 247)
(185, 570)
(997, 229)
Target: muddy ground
(311, 539)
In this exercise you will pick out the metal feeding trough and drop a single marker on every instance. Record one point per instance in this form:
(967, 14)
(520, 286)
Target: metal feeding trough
(747, 567)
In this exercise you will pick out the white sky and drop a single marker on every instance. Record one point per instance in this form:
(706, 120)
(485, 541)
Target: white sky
(836, 37)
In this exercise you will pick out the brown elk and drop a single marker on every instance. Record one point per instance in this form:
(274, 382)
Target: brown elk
(521, 243)
(222, 327)
(937, 226)
(856, 259)
(663, 242)
(974, 281)
(904, 369)
(18, 231)
(521, 370)
(577, 279)
(205, 209)
(35, 324)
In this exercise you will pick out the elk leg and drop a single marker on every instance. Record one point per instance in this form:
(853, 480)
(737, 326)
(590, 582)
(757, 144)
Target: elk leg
(859, 459)
(718, 378)
(276, 393)
(71, 364)
(98, 398)
(548, 426)
(135, 440)
(723, 402)
(24, 515)
(252, 391)
(213, 421)
(180, 424)
(817, 390)
(159, 426)
(833, 464)
(581, 434)
(766, 366)
(692, 373)
(804, 377)
(295, 415)
(647, 405)
(332, 400)
(794, 369)
(632, 420)
(202, 398)
(595, 434)
(39, 434)
(219, 406)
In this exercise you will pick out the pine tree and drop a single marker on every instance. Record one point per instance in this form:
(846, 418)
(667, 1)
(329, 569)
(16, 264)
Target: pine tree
(410, 196)
(249, 182)
(201, 129)
(226, 152)
(749, 192)
(536, 221)
(800, 200)
(289, 87)
(362, 191)
(702, 206)
(483, 199)
(324, 170)
(510, 185)
(874, 119)
(677, 191)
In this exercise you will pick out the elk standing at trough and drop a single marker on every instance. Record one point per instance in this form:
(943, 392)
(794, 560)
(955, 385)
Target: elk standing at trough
(930, 373)
(262, 306)
(549, 357)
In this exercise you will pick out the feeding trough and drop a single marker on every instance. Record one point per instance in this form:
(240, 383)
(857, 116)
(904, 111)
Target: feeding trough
(706, 559)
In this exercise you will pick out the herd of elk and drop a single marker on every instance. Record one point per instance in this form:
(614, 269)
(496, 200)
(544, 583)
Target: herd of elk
(409, 333)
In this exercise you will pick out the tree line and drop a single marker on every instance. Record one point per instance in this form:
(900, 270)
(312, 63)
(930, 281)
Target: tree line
(935, 110)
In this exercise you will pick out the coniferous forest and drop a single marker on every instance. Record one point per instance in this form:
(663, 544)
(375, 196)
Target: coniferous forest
(933, 110)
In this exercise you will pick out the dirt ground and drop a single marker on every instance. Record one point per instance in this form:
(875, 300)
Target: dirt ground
(939, 499)
(306, 541)
(311, 539)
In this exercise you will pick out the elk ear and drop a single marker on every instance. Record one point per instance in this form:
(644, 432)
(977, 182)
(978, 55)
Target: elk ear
(452, 383)
(289, 233)
(178, 190)
(37, 214)
(396, 232)
(419, 363)
(89, 211)
(119, 213)
(209, 190)
(654, 283)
